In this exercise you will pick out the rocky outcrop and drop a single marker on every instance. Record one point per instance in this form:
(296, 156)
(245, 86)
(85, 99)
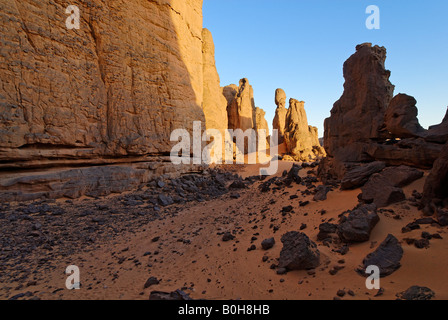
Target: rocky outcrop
(435, 192)
(302, 140)
(368, 124)
(214, 103)
(279, 122)
(98, 96)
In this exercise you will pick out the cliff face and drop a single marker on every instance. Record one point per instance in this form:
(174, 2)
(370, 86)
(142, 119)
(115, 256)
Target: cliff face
(115, 87)
(109, 92)
(214, 102)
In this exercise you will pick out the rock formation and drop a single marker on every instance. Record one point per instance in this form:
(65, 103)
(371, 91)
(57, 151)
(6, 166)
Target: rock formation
(109, 93)
(387, 257)
(260, 120)
(302, 140)
(358, 225)
(279, 122)
(368, 124)
(241, 109)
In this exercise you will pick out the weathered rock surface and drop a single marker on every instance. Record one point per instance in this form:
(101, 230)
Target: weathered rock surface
(95, 91)
(386, 257)
(358, 115)
(417, 293)
(302, 140)
(380, 191)
(90, 181)
(384, 188)
(260, 121)
(177, 295)
(214, 102)
(97, 96)
(241, 110)
(358, 225)
(358, 175)
(298, 252)
(435, 192)
(401, 117)
(326, 230)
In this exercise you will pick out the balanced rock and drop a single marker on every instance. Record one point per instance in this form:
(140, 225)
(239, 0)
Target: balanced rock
(386, 257)
(298, 252)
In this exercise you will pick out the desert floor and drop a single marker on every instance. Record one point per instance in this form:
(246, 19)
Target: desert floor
(183, 248)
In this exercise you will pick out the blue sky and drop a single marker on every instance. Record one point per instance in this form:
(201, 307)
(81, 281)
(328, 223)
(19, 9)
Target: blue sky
(301, 45)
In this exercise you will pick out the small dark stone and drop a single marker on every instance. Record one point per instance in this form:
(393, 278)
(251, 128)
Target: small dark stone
(150, 282)
(228, 237)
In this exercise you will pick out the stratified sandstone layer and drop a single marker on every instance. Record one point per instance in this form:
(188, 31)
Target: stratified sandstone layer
(110, 92)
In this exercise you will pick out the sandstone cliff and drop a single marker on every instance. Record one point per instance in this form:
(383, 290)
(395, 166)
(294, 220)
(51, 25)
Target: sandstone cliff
(110, 92)
(214, 102)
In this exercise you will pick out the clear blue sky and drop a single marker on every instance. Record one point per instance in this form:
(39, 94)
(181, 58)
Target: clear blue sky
(301, 45)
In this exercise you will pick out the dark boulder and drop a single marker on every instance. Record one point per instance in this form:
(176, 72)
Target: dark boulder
(386, 257)
(359, 223)
(298, 252)
(415, 293)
